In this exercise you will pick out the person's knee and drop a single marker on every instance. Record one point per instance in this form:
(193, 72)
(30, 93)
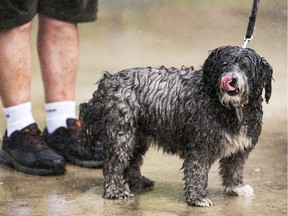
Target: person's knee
(54, 24)
(25, 28)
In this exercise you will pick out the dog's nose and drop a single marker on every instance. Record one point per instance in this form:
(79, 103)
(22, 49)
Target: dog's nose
(234, 81)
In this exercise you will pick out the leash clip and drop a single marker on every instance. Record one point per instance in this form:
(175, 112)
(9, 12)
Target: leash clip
(246, 41)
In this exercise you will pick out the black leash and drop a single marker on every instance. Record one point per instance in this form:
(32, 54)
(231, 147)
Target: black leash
(251, 24)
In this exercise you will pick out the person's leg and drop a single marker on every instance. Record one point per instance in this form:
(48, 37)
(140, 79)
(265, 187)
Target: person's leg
(15, 79)
(23, 147)
(58, 51)
(58, 54)
(15, 65)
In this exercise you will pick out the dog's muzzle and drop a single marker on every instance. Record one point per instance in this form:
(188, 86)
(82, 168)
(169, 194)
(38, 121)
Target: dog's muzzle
(233, 89)
(229, 84)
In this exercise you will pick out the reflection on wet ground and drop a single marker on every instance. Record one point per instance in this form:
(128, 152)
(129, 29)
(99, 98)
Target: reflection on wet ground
(154, 33)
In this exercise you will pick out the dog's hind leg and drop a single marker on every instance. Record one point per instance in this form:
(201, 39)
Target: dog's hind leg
(231, 171)
(132, 173)
(196, 168)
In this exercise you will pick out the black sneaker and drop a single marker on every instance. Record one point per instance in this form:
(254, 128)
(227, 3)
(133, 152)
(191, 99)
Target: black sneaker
(26, 151)
(68, 142)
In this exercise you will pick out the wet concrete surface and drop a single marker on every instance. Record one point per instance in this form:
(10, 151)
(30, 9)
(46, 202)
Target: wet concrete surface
(154, 33)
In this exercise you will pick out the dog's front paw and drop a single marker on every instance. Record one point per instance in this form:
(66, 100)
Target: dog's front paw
(204, 202)
(114, 192)
(241, 190)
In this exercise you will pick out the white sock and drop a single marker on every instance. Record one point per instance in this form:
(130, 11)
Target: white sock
(18, 117)
(57, 113)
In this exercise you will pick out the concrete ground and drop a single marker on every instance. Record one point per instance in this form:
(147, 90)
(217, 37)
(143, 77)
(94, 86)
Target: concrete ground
(132, 33)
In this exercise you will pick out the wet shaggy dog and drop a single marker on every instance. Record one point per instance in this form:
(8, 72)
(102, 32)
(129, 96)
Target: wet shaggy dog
(200, 115)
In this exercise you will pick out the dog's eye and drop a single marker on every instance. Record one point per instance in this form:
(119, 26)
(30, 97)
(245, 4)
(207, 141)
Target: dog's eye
(244, 64)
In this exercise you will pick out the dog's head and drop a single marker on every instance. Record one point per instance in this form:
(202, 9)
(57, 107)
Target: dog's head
(239, 75)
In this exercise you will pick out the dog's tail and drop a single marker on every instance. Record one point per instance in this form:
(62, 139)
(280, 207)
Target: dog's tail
(85, 118)
(90, 115)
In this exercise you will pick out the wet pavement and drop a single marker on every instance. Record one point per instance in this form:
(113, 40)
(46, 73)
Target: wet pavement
(154, 33)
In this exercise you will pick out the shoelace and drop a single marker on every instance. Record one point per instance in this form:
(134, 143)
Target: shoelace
(33, 135)
(75, 131)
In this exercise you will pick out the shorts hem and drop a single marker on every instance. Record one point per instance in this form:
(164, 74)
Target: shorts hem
(12, 23)
(81, 19)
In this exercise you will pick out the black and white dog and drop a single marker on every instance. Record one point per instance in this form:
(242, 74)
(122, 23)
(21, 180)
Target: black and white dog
(201, 115)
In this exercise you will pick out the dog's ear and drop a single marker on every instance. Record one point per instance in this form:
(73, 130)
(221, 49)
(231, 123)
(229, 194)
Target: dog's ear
(267, 72)
(211, 63)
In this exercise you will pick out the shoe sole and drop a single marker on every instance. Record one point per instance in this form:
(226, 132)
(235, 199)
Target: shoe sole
(9, 161)
(87, 164)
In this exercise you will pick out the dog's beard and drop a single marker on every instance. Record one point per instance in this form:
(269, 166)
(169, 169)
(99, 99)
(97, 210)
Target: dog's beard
(235, 96)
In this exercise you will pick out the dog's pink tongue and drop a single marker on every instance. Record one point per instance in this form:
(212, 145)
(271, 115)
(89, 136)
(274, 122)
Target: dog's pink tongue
(225, 83)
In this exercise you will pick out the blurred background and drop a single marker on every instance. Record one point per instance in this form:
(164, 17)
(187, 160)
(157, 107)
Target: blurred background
(134, 33)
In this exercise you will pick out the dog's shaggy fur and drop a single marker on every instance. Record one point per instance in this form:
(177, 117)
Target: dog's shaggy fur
(201, 115)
